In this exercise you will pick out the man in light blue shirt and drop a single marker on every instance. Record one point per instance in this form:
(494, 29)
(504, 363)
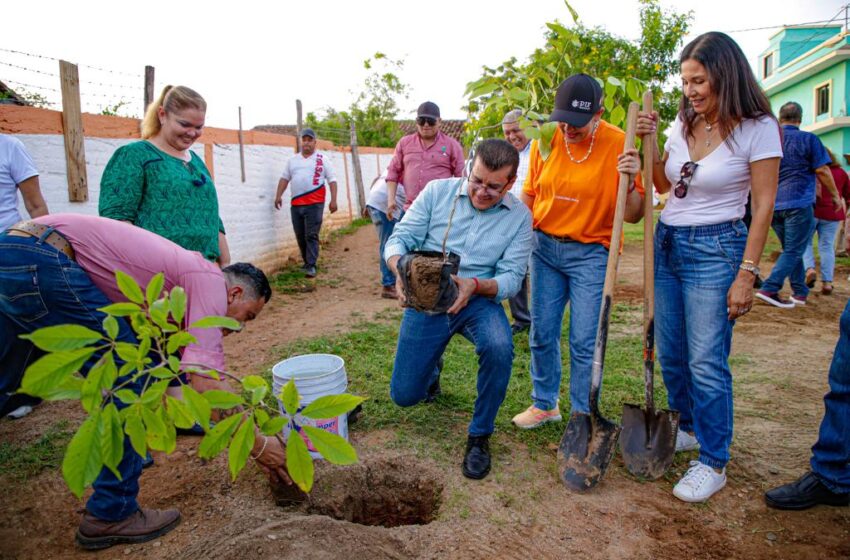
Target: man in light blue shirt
(491, 231)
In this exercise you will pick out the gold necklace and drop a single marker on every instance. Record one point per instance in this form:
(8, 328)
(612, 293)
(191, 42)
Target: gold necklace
(708, 128)
(589, 150)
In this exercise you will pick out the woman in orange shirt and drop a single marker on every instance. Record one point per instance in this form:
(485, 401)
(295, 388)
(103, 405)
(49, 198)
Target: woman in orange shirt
(572, 195)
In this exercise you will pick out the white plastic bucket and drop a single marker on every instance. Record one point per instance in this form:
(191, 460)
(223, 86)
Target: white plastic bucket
(315, 375)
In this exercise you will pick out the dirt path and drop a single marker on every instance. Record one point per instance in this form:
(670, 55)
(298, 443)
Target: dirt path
(780, 363)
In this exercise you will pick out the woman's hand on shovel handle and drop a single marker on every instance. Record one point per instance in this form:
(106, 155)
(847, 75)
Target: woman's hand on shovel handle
(647, 123)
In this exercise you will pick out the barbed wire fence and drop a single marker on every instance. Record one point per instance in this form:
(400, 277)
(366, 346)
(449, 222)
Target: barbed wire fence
(35, 79)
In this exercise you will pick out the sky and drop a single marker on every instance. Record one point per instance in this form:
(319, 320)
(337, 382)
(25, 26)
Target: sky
(263, 56)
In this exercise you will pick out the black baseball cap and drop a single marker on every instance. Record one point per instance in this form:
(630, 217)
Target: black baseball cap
(428, 109)
(308, 132)
(577, 100)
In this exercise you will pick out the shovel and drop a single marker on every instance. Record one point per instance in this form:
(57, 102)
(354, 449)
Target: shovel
(648, 441)
(589, 441)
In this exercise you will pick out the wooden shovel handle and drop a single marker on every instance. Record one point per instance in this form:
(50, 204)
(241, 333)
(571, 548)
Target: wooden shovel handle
(648, 146)
(613, 261)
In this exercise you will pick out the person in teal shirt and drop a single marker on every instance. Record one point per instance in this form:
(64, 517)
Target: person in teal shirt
(160, 185)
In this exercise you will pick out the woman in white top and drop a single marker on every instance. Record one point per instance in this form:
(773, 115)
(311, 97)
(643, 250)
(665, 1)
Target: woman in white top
(724, 143)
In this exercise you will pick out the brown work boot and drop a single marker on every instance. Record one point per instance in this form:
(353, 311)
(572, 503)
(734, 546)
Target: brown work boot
(142, 526)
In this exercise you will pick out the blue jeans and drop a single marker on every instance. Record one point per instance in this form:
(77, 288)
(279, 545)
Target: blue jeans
(794, 228)
(694, 269)
(831, 454)
(39, 287)
(422, 339)
(385, 228)
(564, 272)
(826, 230)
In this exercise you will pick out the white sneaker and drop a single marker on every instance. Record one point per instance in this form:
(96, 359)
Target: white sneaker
(20, 412)
(700, 483)
(685, 441)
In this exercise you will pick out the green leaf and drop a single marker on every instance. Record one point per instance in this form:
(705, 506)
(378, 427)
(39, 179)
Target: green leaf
(179, 412)
(532, 132)
(330, 406)
(214, 321)
(299, 463)
(61, 338)
(129, 287)
(572, 11)
(52, 370)
(241, 446)
(274, 425)
(161, 435)
(71, 388)
(127, 352)
(174, 363)
(517, 94)
(218, 437)
(615, 81)
(617, 116)
(121, 309)
(112, 438)
(110, 326)
(255, 386)
(83, 457)
(177, 303)
(152, 397)
(557, 28)
(223, 399)
(158, 311)
(633, 91)
(179, 340)
(332, 447)
(260, 416)
(289, 397)
(162, 373)
(135, 429)
(154, 288)
(100, 378)
(198, 406)
(127, 396)
(547, 134)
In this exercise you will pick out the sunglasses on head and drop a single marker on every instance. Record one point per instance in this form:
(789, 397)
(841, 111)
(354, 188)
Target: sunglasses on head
(685, 176)
(422, 121)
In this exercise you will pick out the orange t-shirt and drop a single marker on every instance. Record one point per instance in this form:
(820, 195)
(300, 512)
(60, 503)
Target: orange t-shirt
(577, 200)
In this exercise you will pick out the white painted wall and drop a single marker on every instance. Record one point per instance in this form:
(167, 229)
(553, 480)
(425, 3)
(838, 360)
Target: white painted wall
(256, 232)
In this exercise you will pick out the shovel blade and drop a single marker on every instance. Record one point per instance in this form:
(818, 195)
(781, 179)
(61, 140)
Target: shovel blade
(648, 442)
(586, 450)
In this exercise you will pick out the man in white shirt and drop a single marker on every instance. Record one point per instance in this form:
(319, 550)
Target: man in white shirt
(18, 172)
(514, 134)
(376, 204)
(307, 172)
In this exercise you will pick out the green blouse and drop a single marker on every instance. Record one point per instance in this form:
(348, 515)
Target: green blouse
(163, 194)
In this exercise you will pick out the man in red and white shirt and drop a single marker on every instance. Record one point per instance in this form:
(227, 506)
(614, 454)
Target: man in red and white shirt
(307, 172)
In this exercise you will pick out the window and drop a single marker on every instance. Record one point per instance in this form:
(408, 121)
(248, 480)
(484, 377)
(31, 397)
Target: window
(822, 100)
(767, 65)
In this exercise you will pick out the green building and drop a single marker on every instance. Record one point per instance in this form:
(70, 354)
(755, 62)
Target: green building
(809, 65)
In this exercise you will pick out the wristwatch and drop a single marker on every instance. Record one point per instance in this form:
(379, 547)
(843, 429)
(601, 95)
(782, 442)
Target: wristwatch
(750, 267)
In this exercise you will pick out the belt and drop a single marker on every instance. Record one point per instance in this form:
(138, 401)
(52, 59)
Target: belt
(32, 229)
(558, 238)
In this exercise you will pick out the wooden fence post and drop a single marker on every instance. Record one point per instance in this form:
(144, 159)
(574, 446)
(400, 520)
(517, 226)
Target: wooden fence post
(72, 130)
(298, 126)
(241, 146)
(358, 175)
(148, 88)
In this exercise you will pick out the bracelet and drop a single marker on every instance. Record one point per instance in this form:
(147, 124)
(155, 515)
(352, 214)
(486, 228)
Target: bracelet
(260, 454)
(477, 285)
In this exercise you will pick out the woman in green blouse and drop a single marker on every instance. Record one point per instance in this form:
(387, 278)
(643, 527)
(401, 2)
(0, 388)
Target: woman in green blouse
(160, 185)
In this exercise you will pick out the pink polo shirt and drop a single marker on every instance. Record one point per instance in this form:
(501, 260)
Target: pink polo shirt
(414, 166)
(102, 246)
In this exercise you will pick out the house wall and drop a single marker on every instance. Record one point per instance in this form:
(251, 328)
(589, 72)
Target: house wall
(256, 232)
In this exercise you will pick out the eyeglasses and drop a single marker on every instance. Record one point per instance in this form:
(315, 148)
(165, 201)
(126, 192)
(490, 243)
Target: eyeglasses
(422, 121)
(492, 191)
(685, 176)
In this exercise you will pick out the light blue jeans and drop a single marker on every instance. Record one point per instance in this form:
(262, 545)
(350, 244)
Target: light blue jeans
(694, 268)
(564, 272)
(385, 227)
(794, 228)
(423, 338)
(826, 230)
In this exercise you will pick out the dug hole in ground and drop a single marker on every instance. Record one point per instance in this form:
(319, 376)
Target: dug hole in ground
(407, 497)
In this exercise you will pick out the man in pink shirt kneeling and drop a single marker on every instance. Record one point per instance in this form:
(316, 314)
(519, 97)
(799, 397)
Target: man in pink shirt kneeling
(60, 269)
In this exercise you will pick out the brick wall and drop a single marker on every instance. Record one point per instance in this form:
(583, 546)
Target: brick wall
(256, 232)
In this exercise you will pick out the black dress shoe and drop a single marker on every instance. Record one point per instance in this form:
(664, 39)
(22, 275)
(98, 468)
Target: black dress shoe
(476, 462)
(805, 492)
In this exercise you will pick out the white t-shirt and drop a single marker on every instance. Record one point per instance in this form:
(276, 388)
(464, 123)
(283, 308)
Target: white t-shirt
(377, 198)
(16, 166)
(307, 176)
(718, 189)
